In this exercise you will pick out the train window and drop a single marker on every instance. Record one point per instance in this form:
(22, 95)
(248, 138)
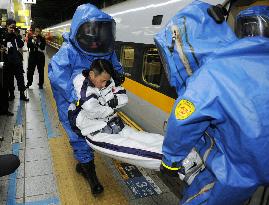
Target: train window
(152, 67)
(157, 20)
(127, 57)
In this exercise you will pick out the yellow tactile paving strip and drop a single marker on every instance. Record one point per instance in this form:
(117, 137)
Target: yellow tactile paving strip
(72, 187)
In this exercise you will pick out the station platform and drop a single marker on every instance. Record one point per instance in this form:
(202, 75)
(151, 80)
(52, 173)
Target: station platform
(47, 172)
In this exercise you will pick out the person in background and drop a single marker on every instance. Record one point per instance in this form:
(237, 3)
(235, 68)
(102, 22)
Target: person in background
(13, 60)
(222, 80)
(92, 36)
(36, 44)
(4, 104)
(28, 35)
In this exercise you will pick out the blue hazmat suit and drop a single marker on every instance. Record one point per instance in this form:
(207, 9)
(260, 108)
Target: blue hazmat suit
(222, 107)
(68, 62)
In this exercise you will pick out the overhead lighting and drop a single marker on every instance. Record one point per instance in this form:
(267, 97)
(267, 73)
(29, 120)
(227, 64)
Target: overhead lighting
(24, 13)
(24, 9)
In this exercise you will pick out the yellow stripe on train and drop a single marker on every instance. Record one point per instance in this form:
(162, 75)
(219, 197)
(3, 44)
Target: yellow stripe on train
(160, 100)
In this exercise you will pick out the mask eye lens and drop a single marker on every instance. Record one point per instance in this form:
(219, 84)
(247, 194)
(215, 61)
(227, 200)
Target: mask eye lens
(247, 26)
(96, 36)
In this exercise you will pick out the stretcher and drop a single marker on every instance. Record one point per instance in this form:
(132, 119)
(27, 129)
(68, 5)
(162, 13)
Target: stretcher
(138, 148)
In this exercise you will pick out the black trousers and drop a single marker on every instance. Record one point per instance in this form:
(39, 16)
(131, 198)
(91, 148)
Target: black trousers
(15, 70)
(8, 164)
(4, 91)
(36, 60)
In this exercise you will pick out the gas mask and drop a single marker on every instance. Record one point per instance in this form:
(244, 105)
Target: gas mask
(253, 21)
(96, 36)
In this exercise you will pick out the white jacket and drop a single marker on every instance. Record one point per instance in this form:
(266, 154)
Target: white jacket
(95, 111)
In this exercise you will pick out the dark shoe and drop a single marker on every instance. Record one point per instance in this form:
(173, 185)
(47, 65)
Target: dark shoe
(11, 97)
(8, 163)
(28, 85)
(23, 97)
(88, 171)
(7, 113)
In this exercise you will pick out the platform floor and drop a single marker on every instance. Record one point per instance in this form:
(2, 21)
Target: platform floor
(47, 172)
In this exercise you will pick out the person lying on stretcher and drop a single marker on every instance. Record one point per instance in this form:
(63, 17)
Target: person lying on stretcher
(98, 98)
(94, 117)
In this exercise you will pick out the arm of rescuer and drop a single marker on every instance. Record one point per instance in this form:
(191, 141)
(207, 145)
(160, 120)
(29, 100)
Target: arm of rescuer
(116, 64)
(188, 121)
(61, 73)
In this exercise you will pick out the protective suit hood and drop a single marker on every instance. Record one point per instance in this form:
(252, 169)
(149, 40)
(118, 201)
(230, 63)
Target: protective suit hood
(86, 13)
(253, 21)
(184, 44)
(255, 11)
(66, 37)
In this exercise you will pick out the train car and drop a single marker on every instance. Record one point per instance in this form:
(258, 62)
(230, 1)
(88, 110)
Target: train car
(150, 96)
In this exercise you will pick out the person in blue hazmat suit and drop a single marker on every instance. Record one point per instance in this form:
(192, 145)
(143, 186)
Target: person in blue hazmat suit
(91, 36)
(222, 109)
